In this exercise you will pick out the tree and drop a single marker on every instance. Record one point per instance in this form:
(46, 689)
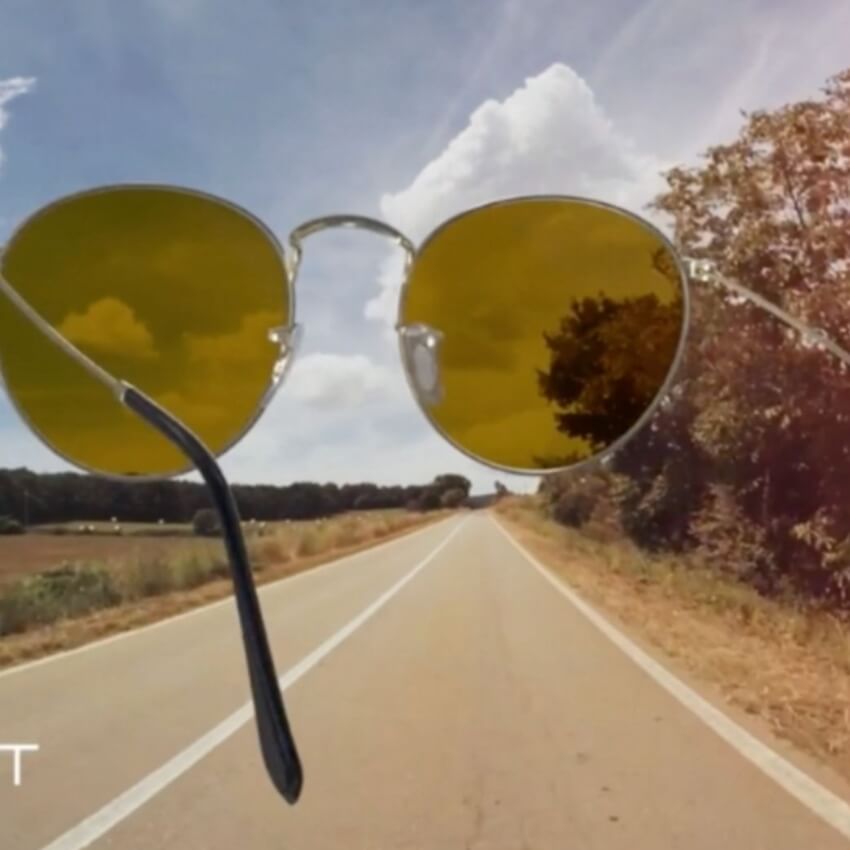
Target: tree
(766, 414)
(62, 497)
(453, 498)
(452, 482)
(428, 500)
(206, 523)
(753, 436)
(9, 525)
(608, 360)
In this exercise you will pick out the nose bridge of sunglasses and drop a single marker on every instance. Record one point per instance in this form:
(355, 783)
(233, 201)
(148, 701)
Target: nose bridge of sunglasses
(419, 343)
(345, 220)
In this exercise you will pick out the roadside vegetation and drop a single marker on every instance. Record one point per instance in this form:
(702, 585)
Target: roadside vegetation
(782, 660)
(81, 599)
(746, 463)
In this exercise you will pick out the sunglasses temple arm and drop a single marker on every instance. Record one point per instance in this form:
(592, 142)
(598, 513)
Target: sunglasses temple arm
(276, 741)
(705, 272)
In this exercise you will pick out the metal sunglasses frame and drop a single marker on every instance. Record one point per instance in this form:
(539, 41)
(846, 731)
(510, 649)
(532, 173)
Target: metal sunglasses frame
(413, 340)
(276, 740)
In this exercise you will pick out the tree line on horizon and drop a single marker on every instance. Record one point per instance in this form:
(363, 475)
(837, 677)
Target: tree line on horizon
(32, 498)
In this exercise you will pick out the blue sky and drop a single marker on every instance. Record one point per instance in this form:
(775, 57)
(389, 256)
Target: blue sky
(407, 111)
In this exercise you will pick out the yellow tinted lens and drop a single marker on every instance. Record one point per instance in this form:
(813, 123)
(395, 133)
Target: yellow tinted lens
(169, 290)
(561, 320)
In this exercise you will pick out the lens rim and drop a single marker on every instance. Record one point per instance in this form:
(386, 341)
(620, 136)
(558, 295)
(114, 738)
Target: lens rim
(602, 455)
(279, 367)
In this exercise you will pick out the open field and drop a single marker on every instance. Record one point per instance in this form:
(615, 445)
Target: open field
(56, 598)
(34, 552)
(786, 664)
(48, 546)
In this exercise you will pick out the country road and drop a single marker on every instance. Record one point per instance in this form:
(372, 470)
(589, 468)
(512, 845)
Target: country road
(444, 695)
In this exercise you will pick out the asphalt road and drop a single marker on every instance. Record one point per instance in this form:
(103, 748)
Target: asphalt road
(444, 695)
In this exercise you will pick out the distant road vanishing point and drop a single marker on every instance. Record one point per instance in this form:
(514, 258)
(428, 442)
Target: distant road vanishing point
(444, 695)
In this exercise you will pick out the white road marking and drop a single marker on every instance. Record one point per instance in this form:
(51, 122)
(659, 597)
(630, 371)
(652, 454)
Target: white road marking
(201, 609)
(89, 830)
(820, 800)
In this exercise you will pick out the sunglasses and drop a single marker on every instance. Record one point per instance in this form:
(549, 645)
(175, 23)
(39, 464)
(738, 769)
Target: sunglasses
(146, 328)
(191, 300)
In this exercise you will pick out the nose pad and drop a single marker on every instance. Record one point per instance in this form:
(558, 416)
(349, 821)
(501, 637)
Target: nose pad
(701, 270)
(420, 346)
(289, 340)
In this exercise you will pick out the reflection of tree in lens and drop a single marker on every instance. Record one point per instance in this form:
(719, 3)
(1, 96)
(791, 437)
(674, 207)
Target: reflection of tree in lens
(607, 362)
(558, 461)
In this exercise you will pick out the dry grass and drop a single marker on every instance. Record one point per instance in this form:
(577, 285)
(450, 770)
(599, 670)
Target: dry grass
(35, 552)
(146, 587)
(774, 659)
(43, 549)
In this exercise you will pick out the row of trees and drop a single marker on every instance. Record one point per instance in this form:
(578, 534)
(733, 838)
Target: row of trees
(32, 498)
(746, 465)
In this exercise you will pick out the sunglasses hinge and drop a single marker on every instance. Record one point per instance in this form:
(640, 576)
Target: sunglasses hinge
(704, 271)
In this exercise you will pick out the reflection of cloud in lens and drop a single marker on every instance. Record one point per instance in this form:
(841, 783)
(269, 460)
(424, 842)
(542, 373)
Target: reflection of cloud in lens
(506, 437)
(248, 344)
(199, 412)
(471, 351)
(171, 258)
(110, 326)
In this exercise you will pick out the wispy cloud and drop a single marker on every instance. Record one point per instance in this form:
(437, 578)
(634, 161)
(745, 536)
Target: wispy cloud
(9, 90)
(340, 382)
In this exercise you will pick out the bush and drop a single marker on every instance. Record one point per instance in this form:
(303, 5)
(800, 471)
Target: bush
(206, 523)
(349, 531)
(573, 509)
(453, 498)
(429, 500)
(145, 577)
(9, 525)
(191, 570)
(272, 550)
(309, 544)
(68, 591)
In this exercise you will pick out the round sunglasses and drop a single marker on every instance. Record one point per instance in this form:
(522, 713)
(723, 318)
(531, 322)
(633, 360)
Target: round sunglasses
(190, 300)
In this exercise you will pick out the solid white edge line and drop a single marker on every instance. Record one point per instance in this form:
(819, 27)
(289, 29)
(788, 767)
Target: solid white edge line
(821, 801)
(201, 609)
(93, 827)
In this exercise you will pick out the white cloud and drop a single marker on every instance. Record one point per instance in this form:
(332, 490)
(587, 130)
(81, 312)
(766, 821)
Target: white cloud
(393, 444)
(339, 382)
(550, 136)
(110, 326)
(10, 89)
